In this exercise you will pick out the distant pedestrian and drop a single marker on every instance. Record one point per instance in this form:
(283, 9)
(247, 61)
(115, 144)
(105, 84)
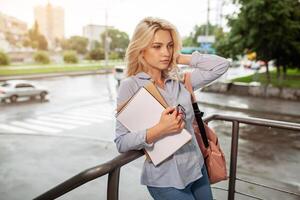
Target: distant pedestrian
(153, 55)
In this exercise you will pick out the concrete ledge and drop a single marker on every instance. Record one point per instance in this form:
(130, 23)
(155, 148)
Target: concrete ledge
(49, 75)
(254, 89)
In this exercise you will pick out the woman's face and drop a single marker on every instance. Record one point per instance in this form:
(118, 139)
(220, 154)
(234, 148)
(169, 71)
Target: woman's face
(158, 54)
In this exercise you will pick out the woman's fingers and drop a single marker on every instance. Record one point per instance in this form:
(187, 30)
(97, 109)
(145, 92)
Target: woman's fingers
(179, 119)
(182, 125)
(168, 110)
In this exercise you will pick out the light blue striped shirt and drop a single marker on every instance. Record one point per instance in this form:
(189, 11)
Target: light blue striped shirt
(185, 165)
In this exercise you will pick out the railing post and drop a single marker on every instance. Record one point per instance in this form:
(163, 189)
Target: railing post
(113, 184)
(233, 159)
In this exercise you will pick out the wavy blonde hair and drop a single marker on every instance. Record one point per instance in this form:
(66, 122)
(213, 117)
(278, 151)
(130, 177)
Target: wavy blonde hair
(142, 38)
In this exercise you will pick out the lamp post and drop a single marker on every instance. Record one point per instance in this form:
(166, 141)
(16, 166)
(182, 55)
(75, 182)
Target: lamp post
(106, 48)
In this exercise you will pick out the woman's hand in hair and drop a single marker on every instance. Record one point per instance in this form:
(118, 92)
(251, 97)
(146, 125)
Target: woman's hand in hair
(183, 59)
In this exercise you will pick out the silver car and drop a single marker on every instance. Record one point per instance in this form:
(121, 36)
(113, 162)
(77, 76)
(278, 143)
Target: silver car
(15, 89)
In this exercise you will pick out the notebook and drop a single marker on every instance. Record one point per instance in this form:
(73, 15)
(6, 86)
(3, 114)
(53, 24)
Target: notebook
(143, 111)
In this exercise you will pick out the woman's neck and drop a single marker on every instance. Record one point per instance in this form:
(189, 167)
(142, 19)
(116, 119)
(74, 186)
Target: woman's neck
(156, 75)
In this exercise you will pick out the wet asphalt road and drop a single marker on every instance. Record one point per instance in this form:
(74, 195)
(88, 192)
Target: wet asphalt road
(265, 155)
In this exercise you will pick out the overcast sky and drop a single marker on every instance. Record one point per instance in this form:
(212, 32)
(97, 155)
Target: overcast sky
(122, 14)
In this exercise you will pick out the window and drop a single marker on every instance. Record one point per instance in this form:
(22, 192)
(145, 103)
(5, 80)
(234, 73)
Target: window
(24, 85)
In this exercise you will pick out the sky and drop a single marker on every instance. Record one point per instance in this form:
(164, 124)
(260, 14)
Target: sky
(122, 14)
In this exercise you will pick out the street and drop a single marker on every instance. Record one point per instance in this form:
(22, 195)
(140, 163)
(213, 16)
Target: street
(44, 143)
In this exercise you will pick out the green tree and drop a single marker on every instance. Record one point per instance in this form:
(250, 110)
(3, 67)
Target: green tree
(118, 41)
(41, 57)
(76, 43)
(188, 41)
(4, 59)
(35, 39)
(270, 28)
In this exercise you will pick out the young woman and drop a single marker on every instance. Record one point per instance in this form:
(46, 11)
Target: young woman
(153, 55)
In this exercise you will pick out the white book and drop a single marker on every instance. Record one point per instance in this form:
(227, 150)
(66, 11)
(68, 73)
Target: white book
(143, 111)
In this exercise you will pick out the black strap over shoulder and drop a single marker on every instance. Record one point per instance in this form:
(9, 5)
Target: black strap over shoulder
(198, 116)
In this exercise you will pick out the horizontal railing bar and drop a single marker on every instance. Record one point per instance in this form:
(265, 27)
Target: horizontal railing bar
(90, 174)
(103, 169)
(265, 186)
(248, 195)
(218, 188)
(256, 121)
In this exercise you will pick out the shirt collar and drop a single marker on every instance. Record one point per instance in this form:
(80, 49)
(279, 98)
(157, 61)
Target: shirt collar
(145, 76)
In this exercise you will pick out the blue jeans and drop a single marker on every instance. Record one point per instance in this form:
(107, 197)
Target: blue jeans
(197, 190)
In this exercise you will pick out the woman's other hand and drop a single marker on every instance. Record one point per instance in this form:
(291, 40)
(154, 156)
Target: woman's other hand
(170, 123)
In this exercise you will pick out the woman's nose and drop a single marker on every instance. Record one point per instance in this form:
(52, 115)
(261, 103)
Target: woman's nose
(165, 51)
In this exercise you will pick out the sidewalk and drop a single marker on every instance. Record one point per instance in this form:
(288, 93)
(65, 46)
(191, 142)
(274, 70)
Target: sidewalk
(33, 164)
(252, 104)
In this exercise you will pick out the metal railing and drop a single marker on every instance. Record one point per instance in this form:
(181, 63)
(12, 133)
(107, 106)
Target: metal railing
(112, 168)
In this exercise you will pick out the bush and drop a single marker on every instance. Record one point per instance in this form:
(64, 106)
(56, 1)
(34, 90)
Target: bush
(4, 59)
(70, 57)
(114, 55)
(96, 54)
(41, 57)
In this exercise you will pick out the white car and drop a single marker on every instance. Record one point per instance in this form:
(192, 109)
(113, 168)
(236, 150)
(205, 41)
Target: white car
(119, 73)
(15, 89)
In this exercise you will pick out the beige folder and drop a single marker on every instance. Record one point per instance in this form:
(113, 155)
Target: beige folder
(143, 111)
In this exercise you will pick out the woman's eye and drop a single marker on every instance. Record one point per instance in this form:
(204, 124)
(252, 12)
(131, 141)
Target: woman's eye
(156, 47)
(171, 46)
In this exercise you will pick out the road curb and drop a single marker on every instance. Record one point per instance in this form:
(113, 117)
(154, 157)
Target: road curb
(222, 106)
(50, 75)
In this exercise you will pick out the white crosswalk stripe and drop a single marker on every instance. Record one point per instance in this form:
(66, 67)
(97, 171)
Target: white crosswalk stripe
(51, 124)
(14, 129)
(56, 123)
(84, 119)
(107, 117)
(67, 121)
(35, 127)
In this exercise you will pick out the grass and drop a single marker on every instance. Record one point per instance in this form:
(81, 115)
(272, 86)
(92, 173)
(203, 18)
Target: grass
(42, 69)
(292, 79)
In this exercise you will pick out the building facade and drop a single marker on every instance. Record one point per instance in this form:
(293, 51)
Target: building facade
(93, 33)
(12, 32)
(51, 22)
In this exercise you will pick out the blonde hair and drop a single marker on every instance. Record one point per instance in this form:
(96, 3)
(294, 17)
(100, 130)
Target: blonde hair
(141, 39)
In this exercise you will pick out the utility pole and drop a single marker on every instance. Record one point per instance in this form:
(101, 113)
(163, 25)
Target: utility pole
(221, 13)
(207, 17)
(106, 40)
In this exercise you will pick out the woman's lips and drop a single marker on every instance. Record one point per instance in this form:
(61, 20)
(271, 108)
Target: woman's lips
(165, 61)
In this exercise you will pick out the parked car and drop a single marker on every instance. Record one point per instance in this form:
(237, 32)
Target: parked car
(119, 73)
(15, 89)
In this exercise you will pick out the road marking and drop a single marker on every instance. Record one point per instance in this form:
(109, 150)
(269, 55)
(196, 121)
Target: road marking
(15, 129)
(80, 118)
(60, 120)
(85, 114)
(35, 127)
(51, 124)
